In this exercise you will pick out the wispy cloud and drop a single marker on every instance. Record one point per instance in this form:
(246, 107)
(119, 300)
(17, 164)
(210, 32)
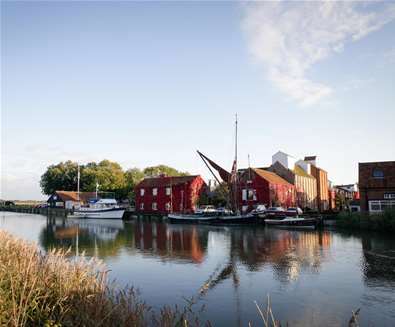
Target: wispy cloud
(288, 38)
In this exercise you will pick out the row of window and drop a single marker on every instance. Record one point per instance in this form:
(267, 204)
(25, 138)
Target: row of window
(155, 191)
(381, 205)
(154, 206)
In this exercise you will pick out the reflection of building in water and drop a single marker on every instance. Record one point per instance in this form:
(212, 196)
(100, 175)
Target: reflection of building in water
(94, 238)
(171, 242)
(288, 252)
(378, 259)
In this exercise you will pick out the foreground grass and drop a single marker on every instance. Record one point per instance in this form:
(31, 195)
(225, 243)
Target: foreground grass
(49, 289)
(384, 222)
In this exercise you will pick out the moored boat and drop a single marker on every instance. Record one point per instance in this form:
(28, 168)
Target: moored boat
(293, 222)
(196, 218)
(237, 219)
(100, 209)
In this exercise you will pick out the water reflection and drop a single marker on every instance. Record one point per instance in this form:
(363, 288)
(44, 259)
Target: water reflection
(286, 252)
(378, 259)
(100, 238)
(312, 276)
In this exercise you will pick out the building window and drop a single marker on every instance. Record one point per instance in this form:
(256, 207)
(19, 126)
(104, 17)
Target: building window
(168, 206)
(142, 191)
(142, 206)
(381, 205)
(168, 190)
(244, 195)
(154, 191)
(154, 206)
(389, 195)
(248, 195)
(378, 173)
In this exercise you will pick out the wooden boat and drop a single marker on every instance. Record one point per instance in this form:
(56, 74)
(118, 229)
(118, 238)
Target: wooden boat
(192, 218)
(293, 222)
(237, 219)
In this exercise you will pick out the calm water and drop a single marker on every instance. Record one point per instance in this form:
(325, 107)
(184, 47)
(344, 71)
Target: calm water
(314, 278)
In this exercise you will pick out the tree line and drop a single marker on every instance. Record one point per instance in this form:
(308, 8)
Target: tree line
(108, 174)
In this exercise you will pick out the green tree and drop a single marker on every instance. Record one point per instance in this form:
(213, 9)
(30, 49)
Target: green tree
(108, 174)
(163, 169)
(62, 176)
(132, 177)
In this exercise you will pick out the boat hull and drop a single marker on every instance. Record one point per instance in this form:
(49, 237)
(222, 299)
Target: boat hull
(238, 219)
(196, 219)
(99, 214)
(293, 222)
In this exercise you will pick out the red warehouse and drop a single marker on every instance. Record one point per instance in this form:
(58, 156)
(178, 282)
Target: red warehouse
(258, 186)
(164, 194)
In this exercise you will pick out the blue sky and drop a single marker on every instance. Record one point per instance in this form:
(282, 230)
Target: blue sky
(149, 83)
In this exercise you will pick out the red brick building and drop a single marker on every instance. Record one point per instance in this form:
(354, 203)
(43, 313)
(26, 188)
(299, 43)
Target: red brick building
(377, 186)
(164, 194)
(259, 186)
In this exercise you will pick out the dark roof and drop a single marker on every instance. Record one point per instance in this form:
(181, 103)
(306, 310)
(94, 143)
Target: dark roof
(271, 177)
(163, 181)
(73, 196)
(309, 158)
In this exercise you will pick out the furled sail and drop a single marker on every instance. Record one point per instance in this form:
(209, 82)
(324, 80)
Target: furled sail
(225, 175)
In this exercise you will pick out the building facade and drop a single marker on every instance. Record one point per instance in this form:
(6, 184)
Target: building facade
(165, 194)
(321, 176)
(305, 184)
(259, 186)
(69, 199)
(377, 186)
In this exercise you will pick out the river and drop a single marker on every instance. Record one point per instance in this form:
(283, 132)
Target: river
(314, 278)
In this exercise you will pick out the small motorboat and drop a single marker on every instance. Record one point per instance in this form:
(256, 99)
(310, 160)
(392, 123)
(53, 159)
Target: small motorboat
(275, 213)
(293, 222)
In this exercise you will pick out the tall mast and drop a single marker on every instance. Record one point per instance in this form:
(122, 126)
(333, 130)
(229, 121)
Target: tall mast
(235, 172)
(78, 182)
(236, 141)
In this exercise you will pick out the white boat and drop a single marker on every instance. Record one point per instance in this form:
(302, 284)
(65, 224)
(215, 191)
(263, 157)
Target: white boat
(100, 209)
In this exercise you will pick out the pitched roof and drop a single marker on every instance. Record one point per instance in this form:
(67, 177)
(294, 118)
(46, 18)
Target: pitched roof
(73, 196)
(163, 181)
(300, 171)
(271, 177)
(309, 158)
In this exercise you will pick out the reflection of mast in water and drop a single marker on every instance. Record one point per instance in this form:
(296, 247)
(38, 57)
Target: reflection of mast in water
(218, 276)
(77, 242)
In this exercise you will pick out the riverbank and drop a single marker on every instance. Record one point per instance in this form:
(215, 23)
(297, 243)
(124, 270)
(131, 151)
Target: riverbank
(51, 289)
(56, 212)
(384, 222)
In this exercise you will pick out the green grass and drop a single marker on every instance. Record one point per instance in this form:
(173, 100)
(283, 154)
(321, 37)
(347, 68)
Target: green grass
(384, 222)
(55, 289)
(51, 289)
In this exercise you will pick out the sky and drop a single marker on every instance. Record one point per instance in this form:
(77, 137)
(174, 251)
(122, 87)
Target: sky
(147, 83)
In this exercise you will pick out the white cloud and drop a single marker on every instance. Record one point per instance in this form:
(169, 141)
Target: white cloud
(288, 38)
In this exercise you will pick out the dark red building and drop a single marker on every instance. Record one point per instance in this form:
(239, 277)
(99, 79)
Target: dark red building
(164, 194)
(259, 186)
(377, 186)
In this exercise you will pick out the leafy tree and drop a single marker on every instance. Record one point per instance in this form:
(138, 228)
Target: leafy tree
(163, 169)
(219, 197)
(132, 177)
(108, 174)
(62, 176)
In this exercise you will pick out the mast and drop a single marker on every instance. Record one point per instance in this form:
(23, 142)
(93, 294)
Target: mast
(78, 182)
(235, 171)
